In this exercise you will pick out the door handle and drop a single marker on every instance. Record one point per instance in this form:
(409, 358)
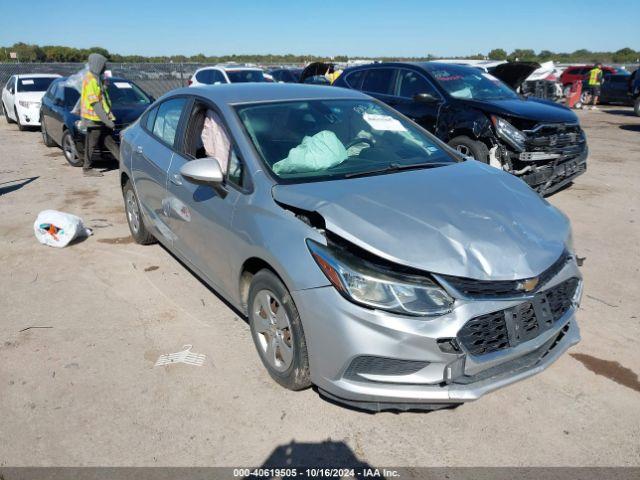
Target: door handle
(176, 179)
(139, 149)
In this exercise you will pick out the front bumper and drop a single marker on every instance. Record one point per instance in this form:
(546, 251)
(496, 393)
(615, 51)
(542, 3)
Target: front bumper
(338, 331)
(29, 116)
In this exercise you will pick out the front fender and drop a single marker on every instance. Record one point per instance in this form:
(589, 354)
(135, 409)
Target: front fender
(458, 119)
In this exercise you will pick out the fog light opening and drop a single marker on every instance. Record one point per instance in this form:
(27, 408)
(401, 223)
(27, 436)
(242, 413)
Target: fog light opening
(449, 345)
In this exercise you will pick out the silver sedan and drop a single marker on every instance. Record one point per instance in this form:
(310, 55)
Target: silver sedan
(370, 259)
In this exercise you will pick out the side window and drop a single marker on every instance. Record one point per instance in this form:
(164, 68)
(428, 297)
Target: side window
(167, 119)
(235, 169)
(378, 80)
(11, 84)
(51, 92)
(412, 83)
(150, 119)
(217, 77)
(69, 95)
(204, 76)
(354, 79)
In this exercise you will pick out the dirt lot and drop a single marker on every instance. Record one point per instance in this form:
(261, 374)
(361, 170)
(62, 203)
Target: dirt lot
(82, 389)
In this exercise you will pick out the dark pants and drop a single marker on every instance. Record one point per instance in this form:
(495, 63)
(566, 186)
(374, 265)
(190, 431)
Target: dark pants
(96, 133)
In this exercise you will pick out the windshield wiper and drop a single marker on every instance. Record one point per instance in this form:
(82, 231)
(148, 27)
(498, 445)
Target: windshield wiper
(396, 167)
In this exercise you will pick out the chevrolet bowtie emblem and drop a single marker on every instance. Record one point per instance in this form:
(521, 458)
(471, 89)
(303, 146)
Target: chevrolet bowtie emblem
(528, 285)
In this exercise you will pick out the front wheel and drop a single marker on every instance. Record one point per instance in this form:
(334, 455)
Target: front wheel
(277, 331)
(137, 227)
(69, 150)
(6, 115)
(470, 148)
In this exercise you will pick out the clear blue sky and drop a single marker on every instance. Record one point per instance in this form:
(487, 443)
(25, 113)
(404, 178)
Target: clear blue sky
(323, 27)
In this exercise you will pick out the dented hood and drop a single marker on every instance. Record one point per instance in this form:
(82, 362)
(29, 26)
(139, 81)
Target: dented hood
(467, 219)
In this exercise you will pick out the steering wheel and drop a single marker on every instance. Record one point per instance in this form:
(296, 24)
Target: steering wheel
(358, 140)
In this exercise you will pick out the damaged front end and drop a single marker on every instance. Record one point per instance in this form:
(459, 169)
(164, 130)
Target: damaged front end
(547, 156)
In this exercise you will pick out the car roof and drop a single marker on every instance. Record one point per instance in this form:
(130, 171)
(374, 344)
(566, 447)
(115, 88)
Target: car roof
(37, 75)
(236, 93)
(227, 68)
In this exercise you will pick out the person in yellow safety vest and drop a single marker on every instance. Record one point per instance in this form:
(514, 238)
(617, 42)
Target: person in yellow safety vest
(594, 81)
(95, 111)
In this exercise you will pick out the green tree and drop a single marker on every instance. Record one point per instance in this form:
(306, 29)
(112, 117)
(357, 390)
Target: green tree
(498, 54)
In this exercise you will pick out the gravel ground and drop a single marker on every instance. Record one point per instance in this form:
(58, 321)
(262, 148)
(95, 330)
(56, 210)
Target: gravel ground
(82, 327)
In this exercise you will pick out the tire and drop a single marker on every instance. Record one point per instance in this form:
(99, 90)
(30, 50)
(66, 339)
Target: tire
(21, 127)
(46, 139)
(277, 331)
(69, 150)
(636, 107)
(6, 115)
(135, 220)
(471, 148)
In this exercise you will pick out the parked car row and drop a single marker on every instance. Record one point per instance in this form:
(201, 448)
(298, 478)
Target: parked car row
(363, 231)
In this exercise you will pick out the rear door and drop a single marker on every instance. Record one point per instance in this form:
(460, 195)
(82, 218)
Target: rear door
(151, 158)
(46, 108)
(10, 95)
(424, 111)
(615, 88)
(56, 115)
(199, 216)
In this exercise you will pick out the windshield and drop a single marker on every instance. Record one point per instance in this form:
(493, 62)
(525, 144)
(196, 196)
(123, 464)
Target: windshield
(126, 93)
(35, 84)
(324, 139)
(244, 76)
(471, 83)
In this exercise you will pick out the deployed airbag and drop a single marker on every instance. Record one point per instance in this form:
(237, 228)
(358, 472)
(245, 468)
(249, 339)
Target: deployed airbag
(319, 152)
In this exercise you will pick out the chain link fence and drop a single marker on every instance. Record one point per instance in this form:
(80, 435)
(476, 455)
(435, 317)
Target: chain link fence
(154, 78)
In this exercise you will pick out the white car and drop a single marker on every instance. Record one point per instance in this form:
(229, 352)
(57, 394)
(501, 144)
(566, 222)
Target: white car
(21, 98)
(220, 74)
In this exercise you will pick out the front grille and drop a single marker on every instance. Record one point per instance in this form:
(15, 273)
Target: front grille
(485, 334)
(373, 365)
(560, 297)
(554, 137)
(502, 288)
(507, 328)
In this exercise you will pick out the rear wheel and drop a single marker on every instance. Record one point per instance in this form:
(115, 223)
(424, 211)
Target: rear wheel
(134, 217)
(69, 150)
(636, 107)
(46, 139)
(6, 115)
(277, 331)
(470, 148)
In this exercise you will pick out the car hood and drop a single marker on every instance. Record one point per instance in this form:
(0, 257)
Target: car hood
(315, 68)
(531, 109)
(468, 219)
(514, 73)
(126, 114)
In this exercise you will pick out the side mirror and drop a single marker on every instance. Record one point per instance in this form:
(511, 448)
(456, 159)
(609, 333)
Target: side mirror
(204, 171)
(425, 97)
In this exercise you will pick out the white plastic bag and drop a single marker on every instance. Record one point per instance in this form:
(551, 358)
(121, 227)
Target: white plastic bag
(58, 229)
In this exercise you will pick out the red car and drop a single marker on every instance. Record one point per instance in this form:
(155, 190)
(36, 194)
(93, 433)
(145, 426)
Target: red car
(579, 72)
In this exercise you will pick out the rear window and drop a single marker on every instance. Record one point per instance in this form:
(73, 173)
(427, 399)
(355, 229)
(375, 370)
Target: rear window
(245, 76)
(35, 84)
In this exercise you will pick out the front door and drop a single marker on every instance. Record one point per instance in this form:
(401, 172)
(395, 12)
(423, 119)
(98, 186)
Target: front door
(200, 216)
(424, 111)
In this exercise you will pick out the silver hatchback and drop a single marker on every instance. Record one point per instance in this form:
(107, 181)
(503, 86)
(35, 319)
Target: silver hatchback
(370, 259)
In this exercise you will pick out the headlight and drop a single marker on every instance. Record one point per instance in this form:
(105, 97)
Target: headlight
(509, 133)
(365, 283)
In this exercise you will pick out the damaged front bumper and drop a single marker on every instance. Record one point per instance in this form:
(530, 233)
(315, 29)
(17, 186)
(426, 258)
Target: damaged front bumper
(376, 361)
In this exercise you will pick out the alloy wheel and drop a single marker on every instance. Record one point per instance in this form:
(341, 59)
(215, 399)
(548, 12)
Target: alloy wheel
(69, 149)
(273, 330)
(133, 212)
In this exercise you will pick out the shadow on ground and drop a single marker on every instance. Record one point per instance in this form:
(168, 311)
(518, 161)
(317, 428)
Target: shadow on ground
(325, 455)
(631, 127)
(626, 113)
(13, 185)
